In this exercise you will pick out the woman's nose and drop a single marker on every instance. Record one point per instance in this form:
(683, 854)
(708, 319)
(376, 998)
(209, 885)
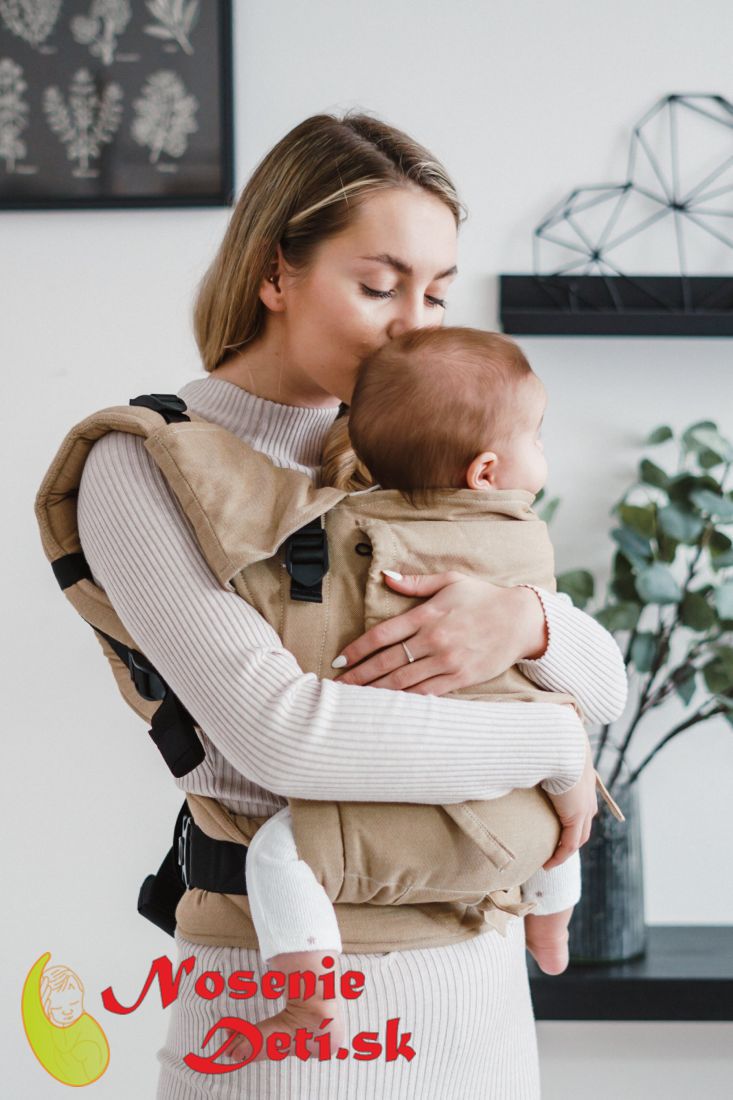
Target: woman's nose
(409, 314)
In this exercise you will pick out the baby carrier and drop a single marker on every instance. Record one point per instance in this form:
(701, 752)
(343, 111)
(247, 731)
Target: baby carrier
(282, 567)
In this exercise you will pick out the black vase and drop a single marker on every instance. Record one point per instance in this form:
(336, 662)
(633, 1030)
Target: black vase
(607, 924)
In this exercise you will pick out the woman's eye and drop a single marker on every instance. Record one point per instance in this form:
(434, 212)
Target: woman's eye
(376, 293)
(371, 293)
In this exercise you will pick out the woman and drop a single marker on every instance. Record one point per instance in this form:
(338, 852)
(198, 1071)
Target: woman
(345, 236)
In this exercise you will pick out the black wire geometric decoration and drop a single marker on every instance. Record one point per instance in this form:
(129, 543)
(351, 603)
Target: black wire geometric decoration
(675, 205)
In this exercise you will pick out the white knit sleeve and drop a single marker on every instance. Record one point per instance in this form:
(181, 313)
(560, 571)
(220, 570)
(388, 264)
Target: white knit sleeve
(581, 658)
(288, 731)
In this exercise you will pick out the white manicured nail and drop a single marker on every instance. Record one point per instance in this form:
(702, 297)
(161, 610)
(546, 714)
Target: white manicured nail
(391, 573)
(339, 662)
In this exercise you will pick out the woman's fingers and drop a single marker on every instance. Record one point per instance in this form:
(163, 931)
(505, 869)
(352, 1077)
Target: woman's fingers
(390, 668)
(408, 676)
(568, 843)
(573, 836)
(377, 665)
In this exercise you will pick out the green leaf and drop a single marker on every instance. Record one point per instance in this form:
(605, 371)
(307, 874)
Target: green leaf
(721, 550)
(709, 459)
(689, 436)
(639, 518)
(548, 510)
(681, 485)
(696, 612)
(710, 439)
(659, 435)
(679, 524)
(619, 616)
(713, 504)
(622, 579)
(656, 584)
(652, 474)
(686, 689)
(666, 547)
(723, 600)
(722, 561)
(637, 549)
(725, 654)
(578, 584)
(643, 651)
(719, 544)
(718, 674)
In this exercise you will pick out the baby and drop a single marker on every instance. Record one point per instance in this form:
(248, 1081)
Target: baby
(436, 409)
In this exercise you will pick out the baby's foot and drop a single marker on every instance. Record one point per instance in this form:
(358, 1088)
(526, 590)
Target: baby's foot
(319, 1020)
(547, 940)
(313, 1018)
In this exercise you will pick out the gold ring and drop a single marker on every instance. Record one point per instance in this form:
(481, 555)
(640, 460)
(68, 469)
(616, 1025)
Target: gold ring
(409, 656)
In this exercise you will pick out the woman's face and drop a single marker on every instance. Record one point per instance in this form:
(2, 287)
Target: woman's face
(388, 272)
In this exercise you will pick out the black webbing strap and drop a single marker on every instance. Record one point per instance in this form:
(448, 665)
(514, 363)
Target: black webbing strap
(160, 893)
(195, 860)
(70, 569)
(216, 865)
(306, 560)
(171, 407)
(172, 727)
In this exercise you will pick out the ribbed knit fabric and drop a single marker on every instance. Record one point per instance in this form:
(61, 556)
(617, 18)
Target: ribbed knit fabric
(271, 731)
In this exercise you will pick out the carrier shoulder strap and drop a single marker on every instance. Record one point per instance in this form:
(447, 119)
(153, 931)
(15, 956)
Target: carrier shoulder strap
(172, 727)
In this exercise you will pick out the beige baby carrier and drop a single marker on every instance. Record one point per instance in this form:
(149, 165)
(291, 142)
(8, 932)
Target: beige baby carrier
(309, 560)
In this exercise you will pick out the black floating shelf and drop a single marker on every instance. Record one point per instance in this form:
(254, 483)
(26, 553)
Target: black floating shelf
(618, 305)
(686, 974)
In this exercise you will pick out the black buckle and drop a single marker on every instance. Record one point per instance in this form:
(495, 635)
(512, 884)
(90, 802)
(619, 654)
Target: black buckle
(306, 560)
(170, 406)
(183, 852)
(146, 680)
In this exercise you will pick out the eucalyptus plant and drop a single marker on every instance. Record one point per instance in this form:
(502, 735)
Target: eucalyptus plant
(669, 600)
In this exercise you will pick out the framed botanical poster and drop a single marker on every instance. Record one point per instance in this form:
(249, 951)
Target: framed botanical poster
(115, 103)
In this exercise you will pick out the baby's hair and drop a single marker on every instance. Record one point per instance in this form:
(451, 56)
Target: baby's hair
(54, 980)
(426, 403)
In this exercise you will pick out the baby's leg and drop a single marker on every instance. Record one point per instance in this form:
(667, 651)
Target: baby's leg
(296, 927)
(555, 892)
(547, 939)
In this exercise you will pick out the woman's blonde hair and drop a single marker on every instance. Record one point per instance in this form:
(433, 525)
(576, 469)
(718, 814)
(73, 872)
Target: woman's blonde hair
(306, 189)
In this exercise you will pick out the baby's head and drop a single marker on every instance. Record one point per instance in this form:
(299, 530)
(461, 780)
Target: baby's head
(450, 407)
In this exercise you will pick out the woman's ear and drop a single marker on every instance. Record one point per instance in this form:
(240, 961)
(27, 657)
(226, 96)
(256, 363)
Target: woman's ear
(270, 290)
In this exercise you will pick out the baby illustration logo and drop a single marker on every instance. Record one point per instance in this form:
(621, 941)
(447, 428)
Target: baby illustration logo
(67, 1042)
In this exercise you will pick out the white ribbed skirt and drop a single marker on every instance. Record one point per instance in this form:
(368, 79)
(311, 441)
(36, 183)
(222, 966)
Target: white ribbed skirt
(466, 1005)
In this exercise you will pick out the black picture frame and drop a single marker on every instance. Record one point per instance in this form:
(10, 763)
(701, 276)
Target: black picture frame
(148, 123)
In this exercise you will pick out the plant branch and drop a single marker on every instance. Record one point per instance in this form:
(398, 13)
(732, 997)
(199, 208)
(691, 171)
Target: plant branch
(606, 728)
(664, 636)
(699, 716)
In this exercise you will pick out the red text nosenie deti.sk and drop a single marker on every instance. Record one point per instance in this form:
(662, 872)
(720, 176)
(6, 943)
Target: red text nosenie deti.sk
(242, 985)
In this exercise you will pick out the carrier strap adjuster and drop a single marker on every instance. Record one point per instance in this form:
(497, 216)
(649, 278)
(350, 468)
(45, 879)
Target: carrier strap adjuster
(218, 866)
(146, 680)
(306, 560)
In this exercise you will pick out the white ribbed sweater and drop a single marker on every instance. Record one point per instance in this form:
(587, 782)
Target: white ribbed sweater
(272, 731)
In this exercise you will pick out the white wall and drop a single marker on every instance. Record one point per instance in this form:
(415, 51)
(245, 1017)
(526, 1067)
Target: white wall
(521, 101)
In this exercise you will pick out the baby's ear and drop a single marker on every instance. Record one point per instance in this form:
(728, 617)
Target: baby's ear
(481, 473)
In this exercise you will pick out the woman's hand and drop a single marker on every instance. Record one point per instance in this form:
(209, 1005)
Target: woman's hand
(576, 809)
(468, 632)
